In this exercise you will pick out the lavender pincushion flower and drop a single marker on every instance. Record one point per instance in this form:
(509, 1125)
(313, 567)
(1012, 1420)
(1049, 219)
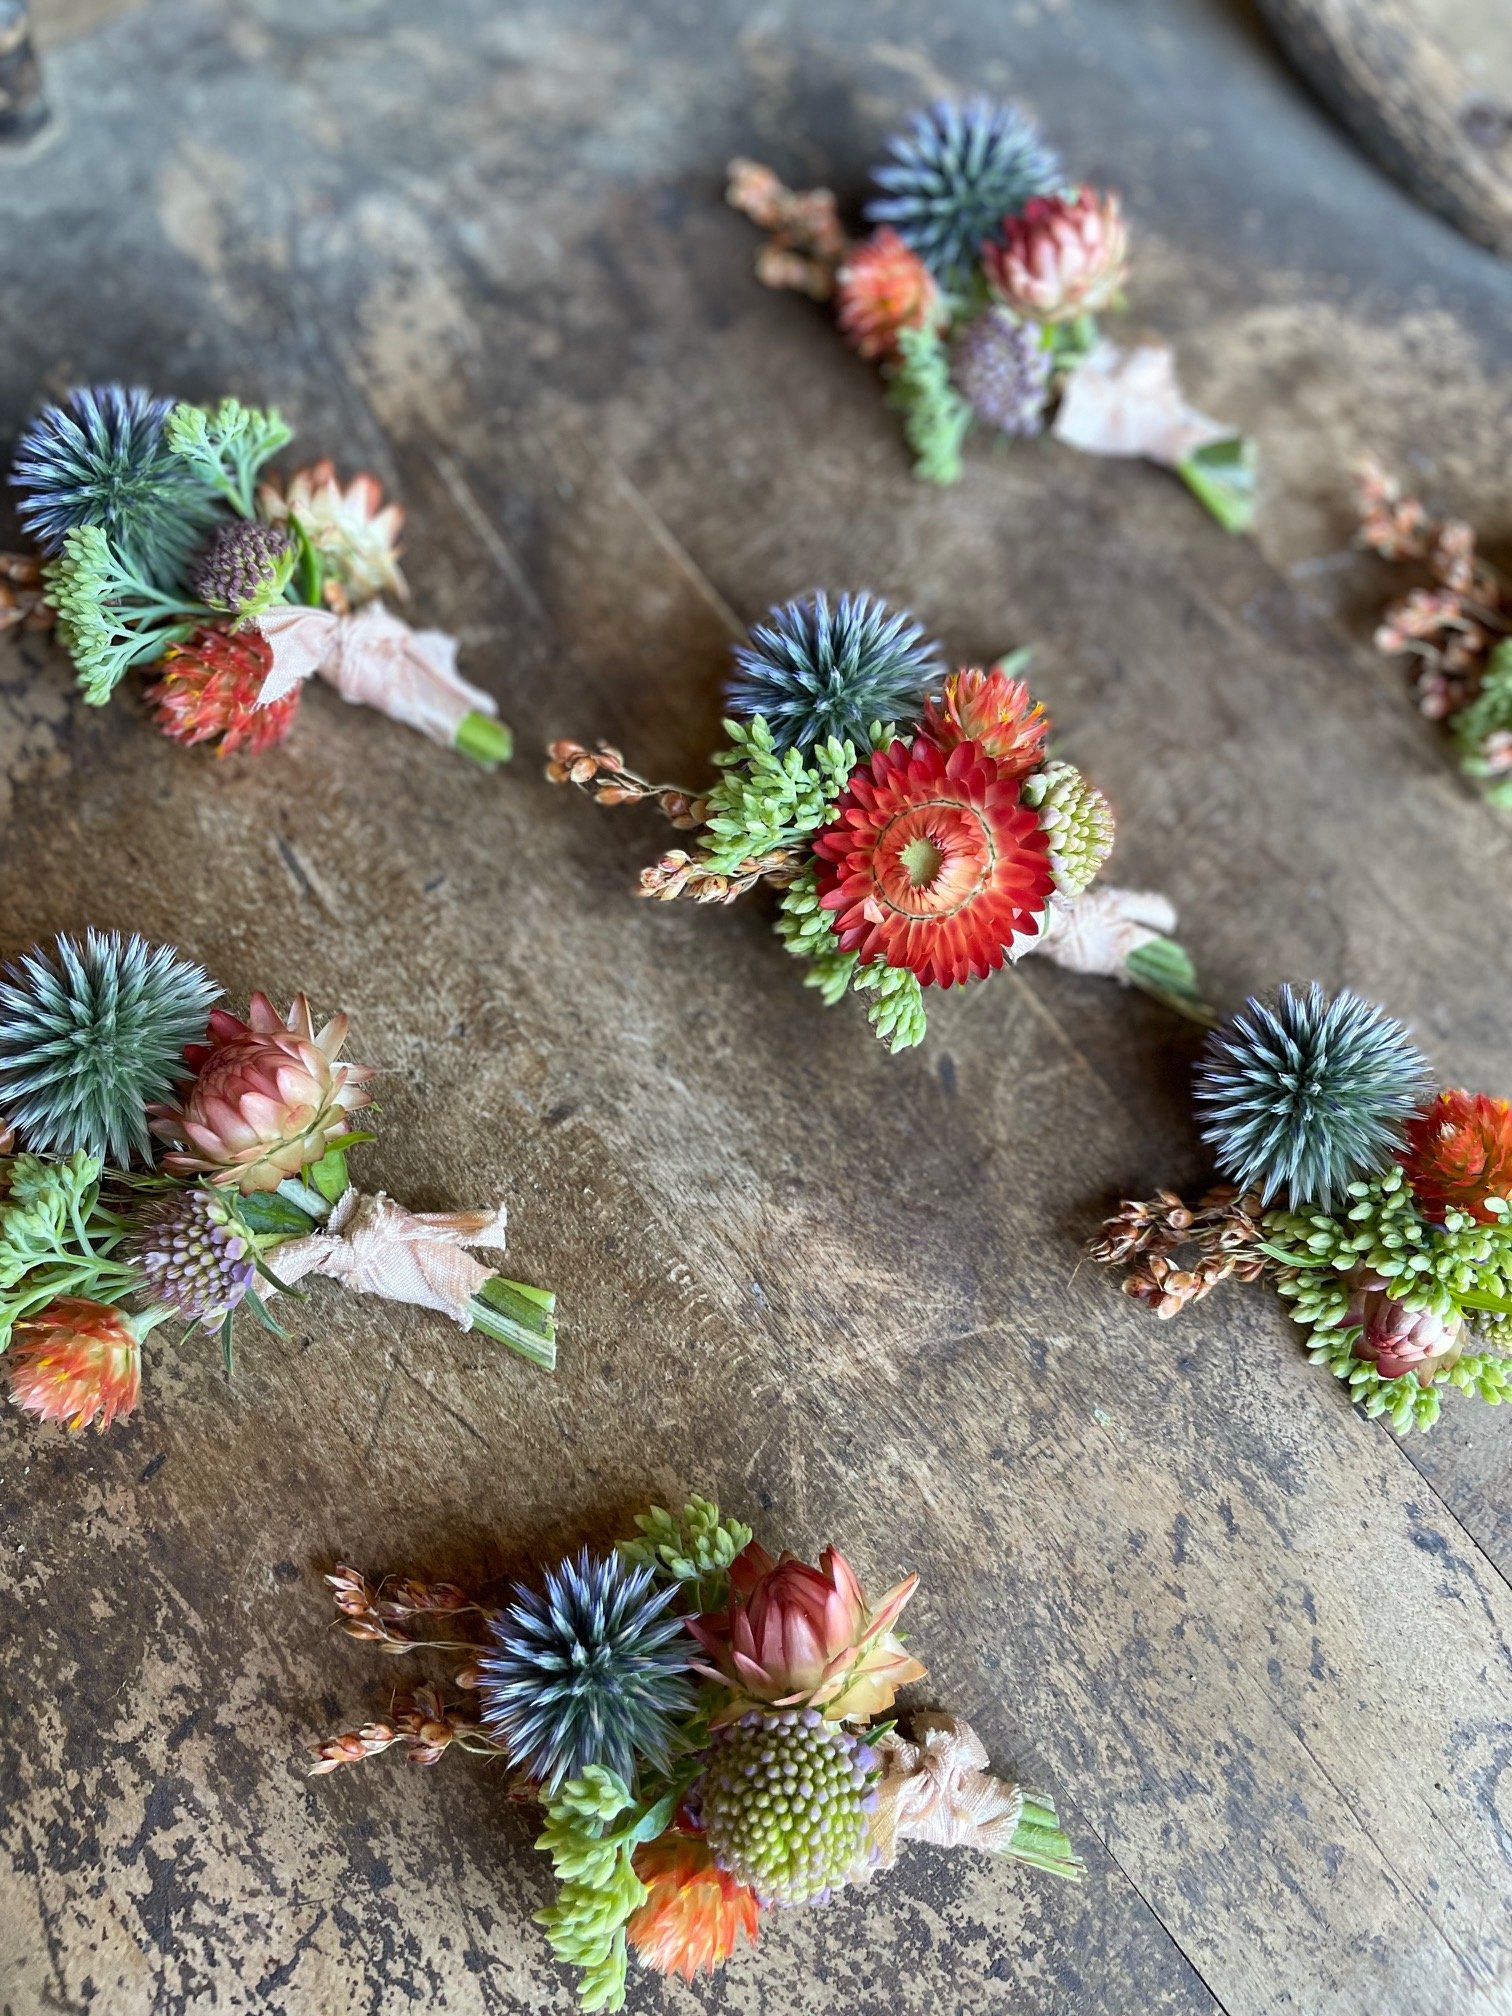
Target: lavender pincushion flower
(245, 568)
(1002, 368)
(195, 1258)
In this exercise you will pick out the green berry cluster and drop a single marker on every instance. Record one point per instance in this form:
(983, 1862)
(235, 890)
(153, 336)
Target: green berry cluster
(784, 1801)
(1078, 821)
(895, 1000)
(1457, 1268)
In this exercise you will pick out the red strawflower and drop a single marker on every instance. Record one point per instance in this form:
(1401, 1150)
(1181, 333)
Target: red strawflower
(884, 286)
(695, 1913)
(1459, 1154)
(75, 1361)
(933, 862)
(207, 692)
(1000, 714)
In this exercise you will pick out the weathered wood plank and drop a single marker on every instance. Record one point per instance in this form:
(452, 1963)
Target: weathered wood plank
(1257, 1649)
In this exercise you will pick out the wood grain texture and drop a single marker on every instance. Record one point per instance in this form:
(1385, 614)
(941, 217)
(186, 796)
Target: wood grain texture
(1258, 1649)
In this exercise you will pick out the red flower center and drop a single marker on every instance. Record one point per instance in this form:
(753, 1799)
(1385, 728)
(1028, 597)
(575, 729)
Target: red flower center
(933, 859)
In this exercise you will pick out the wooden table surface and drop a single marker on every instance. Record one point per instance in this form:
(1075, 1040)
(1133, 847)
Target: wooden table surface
(1257, 1647)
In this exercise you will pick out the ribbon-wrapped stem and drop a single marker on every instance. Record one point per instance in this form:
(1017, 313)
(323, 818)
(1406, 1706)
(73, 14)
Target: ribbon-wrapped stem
(374, 1246)
(374, 659)
(1121, 934)
(936, 1786)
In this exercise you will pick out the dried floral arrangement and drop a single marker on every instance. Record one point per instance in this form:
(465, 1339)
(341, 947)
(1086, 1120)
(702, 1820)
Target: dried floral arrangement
(700, 1725)
(109, 1044)
(923, 853)
(165, 546)
(1456, 635)
(1380, 1209)
(977, 294)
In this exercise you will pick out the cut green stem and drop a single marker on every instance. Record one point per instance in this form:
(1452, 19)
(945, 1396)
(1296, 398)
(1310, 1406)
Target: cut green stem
(522, 1317)
(486, 740)
(1040, 1840)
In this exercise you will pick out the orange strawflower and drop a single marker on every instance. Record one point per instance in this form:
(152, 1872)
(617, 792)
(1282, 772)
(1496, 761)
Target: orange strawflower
(1459, 1154)
(695, 1913)
(884, 286)
(75, 1361)
(989, 708)
(206, 691)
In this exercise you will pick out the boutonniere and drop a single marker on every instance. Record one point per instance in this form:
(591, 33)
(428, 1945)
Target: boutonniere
(167, 1164)
(167, 547)
(913, 821)
(1378, 1207)
(978, 295)
(708, 1732)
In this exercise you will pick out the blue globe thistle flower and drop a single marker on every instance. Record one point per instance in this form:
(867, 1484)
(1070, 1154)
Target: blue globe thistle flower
(816, 669)
(102, 459)
(1309, 1094)
(953, 177)
(90, 1035)
(589, 1671)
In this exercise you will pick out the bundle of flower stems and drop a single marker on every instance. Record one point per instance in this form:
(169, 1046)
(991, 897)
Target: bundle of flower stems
(707, 1730)
(109, 1045)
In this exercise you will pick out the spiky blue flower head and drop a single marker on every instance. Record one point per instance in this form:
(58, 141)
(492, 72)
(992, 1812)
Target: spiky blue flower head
(589, 1671)
(101, 458)
(818, 668)
(90, 1035)
(1308, 1094)
(952, 178)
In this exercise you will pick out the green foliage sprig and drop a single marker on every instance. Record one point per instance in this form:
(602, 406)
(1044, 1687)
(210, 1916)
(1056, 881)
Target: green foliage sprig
(592, 1859)
(1488, 715)
(935, 415)
(1459, 1268)
(1446, 1268)
(110, 616)
(694, 1547)
(769, 799)
(227, 446)
(56, 1238)
(894, 998)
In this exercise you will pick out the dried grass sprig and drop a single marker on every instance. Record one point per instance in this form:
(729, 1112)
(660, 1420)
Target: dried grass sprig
(1224, 1227)
(806, 240)
(603, 774)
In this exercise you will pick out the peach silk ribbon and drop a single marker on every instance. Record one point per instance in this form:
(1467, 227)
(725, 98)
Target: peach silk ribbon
(937, 1788)
(373, 659)
(1127, 402)
(1096, 931)
(374, 1246)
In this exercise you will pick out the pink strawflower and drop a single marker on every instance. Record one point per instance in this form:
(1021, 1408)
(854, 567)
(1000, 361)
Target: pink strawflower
(267, 1098)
